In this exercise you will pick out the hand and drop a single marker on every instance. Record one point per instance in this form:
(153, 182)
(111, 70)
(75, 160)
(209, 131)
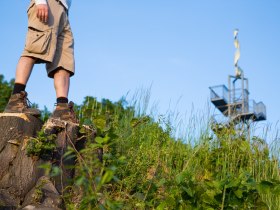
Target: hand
(42, 12)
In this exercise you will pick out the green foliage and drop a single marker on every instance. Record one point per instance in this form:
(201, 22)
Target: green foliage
(94, 178)
(144, 167)
(45, 114)
(43, 146)
(38, 193)
(6, 89)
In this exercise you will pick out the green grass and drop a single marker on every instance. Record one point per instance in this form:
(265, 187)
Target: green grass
(145, 167)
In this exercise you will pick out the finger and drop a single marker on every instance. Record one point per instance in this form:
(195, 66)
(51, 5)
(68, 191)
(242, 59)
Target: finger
(46, 16)
(40, 15)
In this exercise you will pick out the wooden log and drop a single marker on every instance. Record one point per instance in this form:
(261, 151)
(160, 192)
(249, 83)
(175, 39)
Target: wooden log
(18, 172)
(67, 136)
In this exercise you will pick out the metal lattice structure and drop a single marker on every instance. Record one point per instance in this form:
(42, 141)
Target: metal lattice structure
(233, 101)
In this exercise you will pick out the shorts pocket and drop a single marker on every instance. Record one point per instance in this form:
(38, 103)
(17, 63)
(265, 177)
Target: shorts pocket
(38, 41)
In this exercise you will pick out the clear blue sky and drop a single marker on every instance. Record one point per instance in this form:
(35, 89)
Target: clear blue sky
(180, 47)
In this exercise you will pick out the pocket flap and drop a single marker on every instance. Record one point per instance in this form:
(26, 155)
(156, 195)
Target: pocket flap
(38, 41)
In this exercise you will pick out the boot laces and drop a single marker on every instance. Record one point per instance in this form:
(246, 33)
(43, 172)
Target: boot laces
(26, 101)
(70, 111)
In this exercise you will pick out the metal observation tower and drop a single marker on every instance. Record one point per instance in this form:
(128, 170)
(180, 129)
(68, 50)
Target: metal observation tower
(233, 101)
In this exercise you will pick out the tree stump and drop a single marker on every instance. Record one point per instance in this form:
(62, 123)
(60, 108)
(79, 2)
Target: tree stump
(18, 172)
(67, 134)
(22, 183)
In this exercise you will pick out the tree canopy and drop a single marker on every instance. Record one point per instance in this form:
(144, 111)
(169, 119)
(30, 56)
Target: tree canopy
(5, 91)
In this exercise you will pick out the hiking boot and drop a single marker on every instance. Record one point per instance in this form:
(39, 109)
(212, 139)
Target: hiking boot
(64, 111)
(19, 103)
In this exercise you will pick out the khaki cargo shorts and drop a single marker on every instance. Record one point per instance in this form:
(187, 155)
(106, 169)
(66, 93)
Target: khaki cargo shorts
(52, 42)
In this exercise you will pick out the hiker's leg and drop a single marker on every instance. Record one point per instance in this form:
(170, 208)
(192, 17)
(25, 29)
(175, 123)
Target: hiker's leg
(63, 110)
(61, 83)
(24, 69)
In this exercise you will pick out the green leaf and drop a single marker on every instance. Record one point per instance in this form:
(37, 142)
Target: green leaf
(238, 193)
(69, 152)
(276, 190)
(82, 130)
(180, 177)
(161, 206)
(265, 186)
(55, 171)
(99, 140)
(233, 183)
(189, 191)
(87, 122)
(80, 180)
(108, 176)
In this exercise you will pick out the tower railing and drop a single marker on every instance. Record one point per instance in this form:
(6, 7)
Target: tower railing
(239, 95)
(239, 104)
(260, 110)
(219, 92)
(257, 109)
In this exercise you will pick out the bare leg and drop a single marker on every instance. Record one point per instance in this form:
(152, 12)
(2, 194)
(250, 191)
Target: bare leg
(24, 69)
(61, 83)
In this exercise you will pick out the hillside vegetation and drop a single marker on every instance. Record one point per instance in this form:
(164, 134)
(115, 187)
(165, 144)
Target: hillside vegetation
(145, 167)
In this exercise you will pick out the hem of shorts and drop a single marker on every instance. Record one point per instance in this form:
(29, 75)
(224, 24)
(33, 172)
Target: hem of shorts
(51, 71)
(41, 59)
